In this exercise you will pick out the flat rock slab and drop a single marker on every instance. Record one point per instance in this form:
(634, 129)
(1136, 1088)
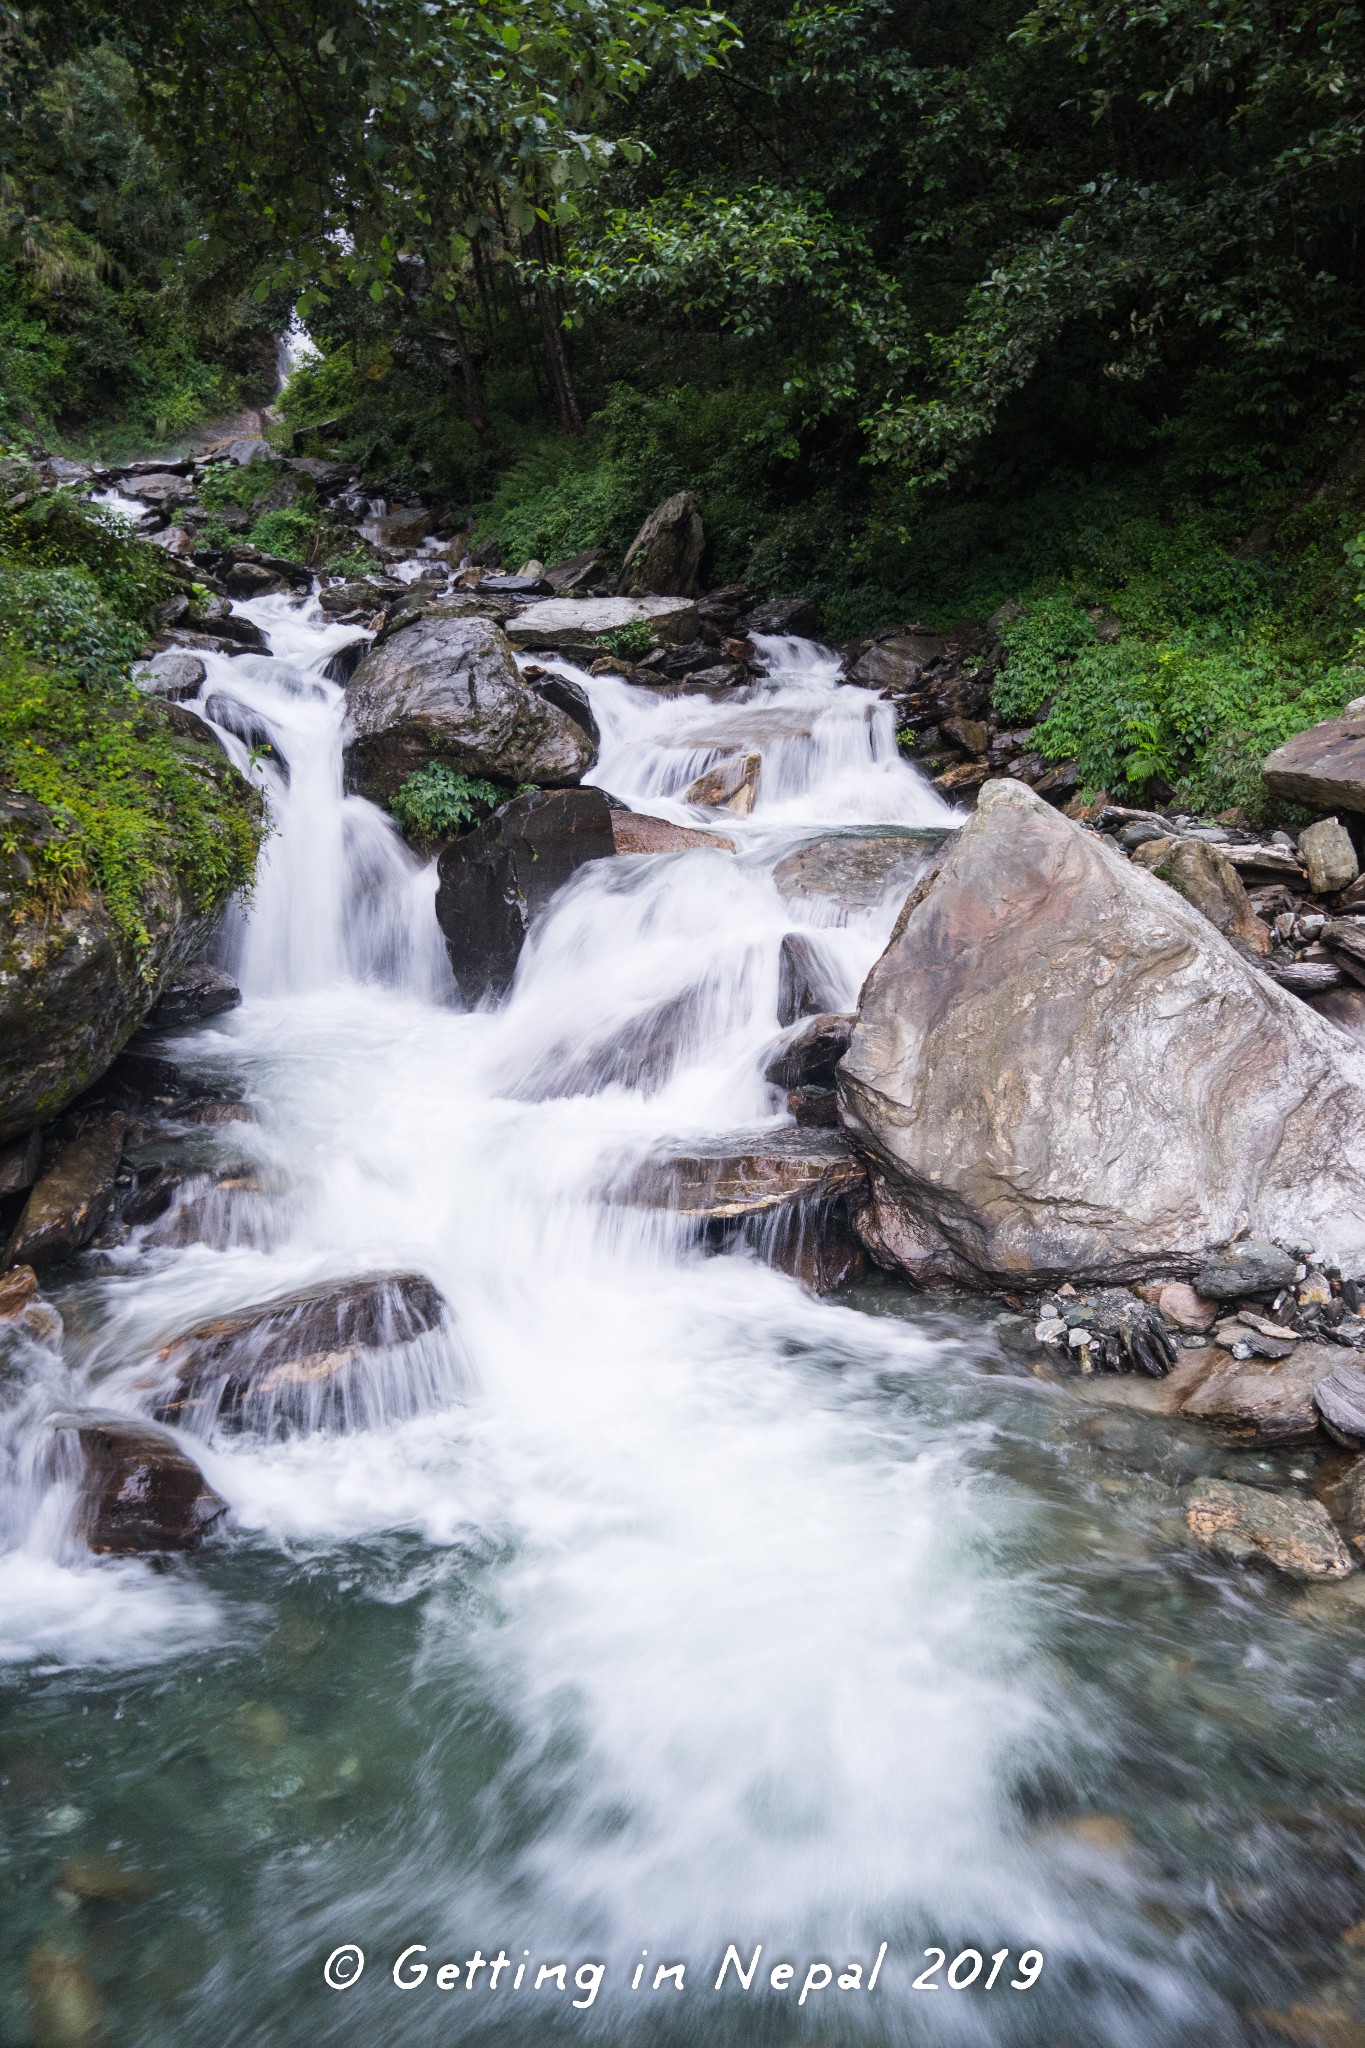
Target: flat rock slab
(581, 621)
(856, 871)
(69, 1203)
(634, 832)
(1340, 1401)
(192, 994)
(139, 1490)
(1323, 767)
(297, 1340)
(1295, 1535)
(1265, 1401)
(748, 1173)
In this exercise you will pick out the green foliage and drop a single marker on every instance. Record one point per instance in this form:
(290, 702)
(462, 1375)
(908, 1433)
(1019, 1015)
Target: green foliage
(62, 617)
(129, 799)
(435, 802)
(292, 532)
(630, 641)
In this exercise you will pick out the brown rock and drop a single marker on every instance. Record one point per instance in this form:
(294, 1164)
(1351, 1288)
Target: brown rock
(967, 733)
(1181, 1306)
(665, 555)
(811, 1052)
(856, 870)
(24, 1315)
(1265, 1401)
(1323, 768)
(747, 1173)
(1294, 1535)
(971, 775)
(730, 786)
(64, 1998)
(139, 1491)
(1208, 881)
(69, 1203)
(635, 832)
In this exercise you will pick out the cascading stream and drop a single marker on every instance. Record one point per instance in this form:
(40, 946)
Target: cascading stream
(723, 1625)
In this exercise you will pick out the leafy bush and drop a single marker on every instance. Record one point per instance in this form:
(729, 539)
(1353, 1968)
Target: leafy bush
(435, 802)
(293, 533)
(61, 617)
(630, 641)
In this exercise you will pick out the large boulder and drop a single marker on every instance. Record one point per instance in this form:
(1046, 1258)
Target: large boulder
(581, 621)
(1211, 883)
(448, 689)
(1060, 1069)
(1322, 767)
(493, 881)
(856, 870)
(71, 1200)
(665, 556)
(1241, 1523)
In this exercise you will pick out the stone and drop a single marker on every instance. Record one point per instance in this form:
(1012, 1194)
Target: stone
(730, 786)
(247, 1364)
(1060, 1068)
(493, 881)
(746, 1173)
(1264, 1401)
(1252, 1266)
(65, 2008)
(246, 449)
(140, 1492)
(811, 1052)
(162, 490)
(358, 594)
(25, 1318)
(635, 832)
(402, 526)
(665, 556)
(1344, 1007)
(814, 1108)
(886, 667)
(781, 616)
(1346, 937)
(1208, 881)
(19, 1163)
(573, 700)
(856, 870)
(1181, 1306)
(577, 571)
(1307, 978)
(1329, 856)
(1295, 1535)
(807, 984)
(194, 992)
(581, 621)
(967, 733)
(71, 1200)
(1323, 767)
(448, 690)
(1340, 1400)
(173, 673)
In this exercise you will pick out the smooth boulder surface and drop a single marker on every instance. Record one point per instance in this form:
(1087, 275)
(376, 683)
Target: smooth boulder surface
(448, 690)
(25, 1318)
(71, 1200)
(747, 1173)
(636, 832)
(139, 1490)
(1322, 768)
(855, 871)
(1061, 1070)
(493, 881)
(1265, 1401)
(811, 1052)
(581, 621)
(1329, 856)
(1295, 1535)
(664, 558)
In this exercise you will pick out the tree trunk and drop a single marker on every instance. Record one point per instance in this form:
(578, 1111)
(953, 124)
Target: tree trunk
(473, 381)
(556, 355)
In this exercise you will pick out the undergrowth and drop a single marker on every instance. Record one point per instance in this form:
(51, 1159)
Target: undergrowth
(437, 802)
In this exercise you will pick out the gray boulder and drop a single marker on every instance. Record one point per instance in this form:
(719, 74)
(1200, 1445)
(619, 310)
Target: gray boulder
(448, 689)
(1286, 1530)
(581, 621)
(1060, 1069)
(664, 558)
(1323, 767)
(493, 881)
(856, 870)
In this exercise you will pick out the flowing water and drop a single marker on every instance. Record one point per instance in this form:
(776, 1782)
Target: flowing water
(654, 1605)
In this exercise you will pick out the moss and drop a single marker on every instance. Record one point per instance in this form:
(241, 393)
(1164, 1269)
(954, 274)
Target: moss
(130, 800)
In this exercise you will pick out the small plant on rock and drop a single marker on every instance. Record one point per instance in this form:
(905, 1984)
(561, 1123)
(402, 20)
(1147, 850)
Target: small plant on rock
(630, 642)
(436, 802)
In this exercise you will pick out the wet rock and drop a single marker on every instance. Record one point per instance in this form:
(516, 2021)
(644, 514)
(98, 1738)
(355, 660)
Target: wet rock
(64, 1998)
(1329, 856)
(665, 555)
(24, 1316)
(1262, 1400)
(252, 579)
(811, 1053)
(856, 871)
(807, 984)
(747, 1173)
(1252, 1266)
(634, 832)
(730, 786)
(1182, 1307)
(1339, 1397)
(573, 700)
(194, 992)
(245, 1364)
(494, 880)
(1294, 1535)
(172, 674)
(162, 490)
(890, 665)
(814, 1108)
(139, 1490)
(361, 595)
(1323, 767)
(448, 690)
(106, 1879)
(1061, 1069)
(577, 572)
(403, 526)
(580, 622)
(784, 615)
(71, 1200)
(19, 1164)
(1208, 881)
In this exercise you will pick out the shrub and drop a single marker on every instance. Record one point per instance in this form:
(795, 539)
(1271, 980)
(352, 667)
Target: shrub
(435, 802)
(630, 641)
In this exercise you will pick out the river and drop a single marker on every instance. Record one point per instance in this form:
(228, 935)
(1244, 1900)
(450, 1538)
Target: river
(657, 1605)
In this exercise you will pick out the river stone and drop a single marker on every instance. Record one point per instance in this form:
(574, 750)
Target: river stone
(577, 571)
(1295, 1535)
(1322, 767)
(807, 985)
(193, 992)
(854, 871)
(1211, 883)
(1329, 856)
(25, 1318)
(1344, 1007)
(1251, 1266)
(782, 616)
(161, 490)
(747, 1173)
(235, 1364)
(580, 621)
(139, 1490)
(172, 673)
(635, 832)
(448, 690)
(69, 1203)
(1061, 1070)
(665, 555)
(1340, 1400)
(1268, 1403)
(811, 1052)
(732, 785)
(494, 880)
(358, 594)
(403, 526)
(19, 1163)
